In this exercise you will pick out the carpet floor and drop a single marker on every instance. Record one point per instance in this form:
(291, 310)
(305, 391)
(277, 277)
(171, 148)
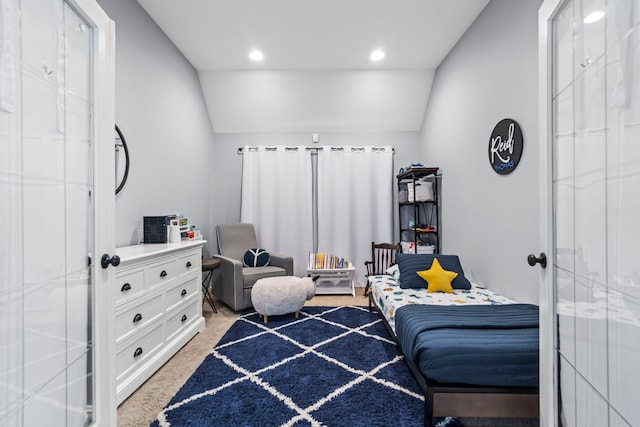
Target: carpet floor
(333, 366)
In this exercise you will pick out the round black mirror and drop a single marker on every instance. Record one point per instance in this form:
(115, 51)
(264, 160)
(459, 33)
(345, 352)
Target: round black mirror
(122, 156)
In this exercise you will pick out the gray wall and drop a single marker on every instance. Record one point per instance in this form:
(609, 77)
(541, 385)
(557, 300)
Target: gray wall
(161, 111)
(490, 220)
(228, 164)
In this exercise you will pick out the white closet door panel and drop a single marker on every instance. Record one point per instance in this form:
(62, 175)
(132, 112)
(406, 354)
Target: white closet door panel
(78, 119)
(44, 280)
(78, 235)
(567, 394)
(77, 55)
(592, 85)
(44, 233)
(616, 420)
(624, 347)
(590, 117)
(591, 333)
(79, 166)
(564, 135)
(39, 105)
(592, 410)
(47, 155)
(590, 239)
(4, 147)
(563, 48)
(46, 407)
(567, 314)
(564, 216)
(43, 146)
(77, 392)
(623, 130)
(10, 266)
(595, 204)
(589, 38)
(77, 316)
(44, 339)
(626, 148)
(623, 227)
(44, 158)
(40, 34)
(79, 176)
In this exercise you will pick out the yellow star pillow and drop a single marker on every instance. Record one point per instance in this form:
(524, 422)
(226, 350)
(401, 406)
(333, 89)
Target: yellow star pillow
(438, 279)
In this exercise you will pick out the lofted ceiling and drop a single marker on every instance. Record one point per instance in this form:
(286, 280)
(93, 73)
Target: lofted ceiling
(316, 74)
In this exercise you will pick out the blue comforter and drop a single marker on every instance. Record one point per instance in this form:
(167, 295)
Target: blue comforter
(492, 345)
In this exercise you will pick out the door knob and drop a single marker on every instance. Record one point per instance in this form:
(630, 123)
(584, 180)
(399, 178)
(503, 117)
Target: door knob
(106, 260)
(542, 259)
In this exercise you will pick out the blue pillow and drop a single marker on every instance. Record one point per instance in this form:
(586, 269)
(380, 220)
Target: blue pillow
(410, 264)
(256, 257)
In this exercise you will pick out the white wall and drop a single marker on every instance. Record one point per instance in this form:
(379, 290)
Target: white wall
(281, 101)
(489, 220)
(228, 164)
(162, 113)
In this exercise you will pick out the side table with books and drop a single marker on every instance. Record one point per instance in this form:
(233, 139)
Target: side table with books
(334, 280)
(336, 275)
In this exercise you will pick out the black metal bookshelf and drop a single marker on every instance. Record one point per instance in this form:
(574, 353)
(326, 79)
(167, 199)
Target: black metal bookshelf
(419, 208)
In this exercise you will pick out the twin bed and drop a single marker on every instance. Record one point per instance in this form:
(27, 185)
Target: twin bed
(473, 352)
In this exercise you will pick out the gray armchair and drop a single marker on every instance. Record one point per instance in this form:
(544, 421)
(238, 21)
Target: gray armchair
(235, 281)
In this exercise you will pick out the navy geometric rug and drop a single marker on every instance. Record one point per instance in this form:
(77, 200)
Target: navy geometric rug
(333, 366)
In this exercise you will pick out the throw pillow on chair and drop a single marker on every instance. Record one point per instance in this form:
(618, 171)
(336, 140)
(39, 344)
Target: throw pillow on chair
(256, 257)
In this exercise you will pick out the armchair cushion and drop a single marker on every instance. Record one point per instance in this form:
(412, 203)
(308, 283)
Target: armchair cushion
(252, 274)
(235, 239)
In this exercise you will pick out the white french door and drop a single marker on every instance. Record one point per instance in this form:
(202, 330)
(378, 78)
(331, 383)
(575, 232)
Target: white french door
(590, 201)
(56, 201)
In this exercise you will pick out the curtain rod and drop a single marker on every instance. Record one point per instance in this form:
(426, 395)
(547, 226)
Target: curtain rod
(316, 149)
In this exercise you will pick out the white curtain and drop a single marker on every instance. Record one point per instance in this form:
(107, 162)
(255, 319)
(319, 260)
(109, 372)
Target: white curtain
(276, 198)
(355, 201)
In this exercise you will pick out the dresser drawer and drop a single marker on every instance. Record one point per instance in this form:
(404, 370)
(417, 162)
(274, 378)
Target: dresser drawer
(181, 318)
(189, 263)
(132, 355)
(138, 316)
(183, 291)
(160, 273)
(128, 284)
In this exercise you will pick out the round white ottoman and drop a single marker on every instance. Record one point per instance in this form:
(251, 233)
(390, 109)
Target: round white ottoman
(274, 296)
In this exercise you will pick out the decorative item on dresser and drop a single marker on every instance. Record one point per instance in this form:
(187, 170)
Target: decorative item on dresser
(158, 307)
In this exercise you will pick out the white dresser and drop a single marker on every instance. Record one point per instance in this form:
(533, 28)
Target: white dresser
(158, 300)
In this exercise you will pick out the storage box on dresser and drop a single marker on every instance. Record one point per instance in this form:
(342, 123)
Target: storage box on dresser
(158, 300)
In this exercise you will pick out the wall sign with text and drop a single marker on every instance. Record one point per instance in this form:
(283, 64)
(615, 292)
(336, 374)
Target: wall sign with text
(505, 146)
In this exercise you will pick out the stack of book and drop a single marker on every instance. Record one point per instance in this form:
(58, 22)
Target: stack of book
(319, 261)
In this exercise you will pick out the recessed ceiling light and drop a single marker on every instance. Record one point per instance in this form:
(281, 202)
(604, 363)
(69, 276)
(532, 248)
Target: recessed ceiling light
(377, 55)
(594, 17)
(256, 55)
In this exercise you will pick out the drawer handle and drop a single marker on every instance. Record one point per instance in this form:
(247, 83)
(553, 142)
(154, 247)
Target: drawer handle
(183, 293)
(163, 273)
(126, 287)
(184, 317)
(188, 264)
(137, 318)
(138, 352)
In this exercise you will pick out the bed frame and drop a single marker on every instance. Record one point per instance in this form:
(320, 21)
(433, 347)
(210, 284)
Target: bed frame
(464, 400)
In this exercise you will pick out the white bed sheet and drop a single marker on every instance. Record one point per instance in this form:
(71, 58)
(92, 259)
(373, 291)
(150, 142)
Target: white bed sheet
(388, 296)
